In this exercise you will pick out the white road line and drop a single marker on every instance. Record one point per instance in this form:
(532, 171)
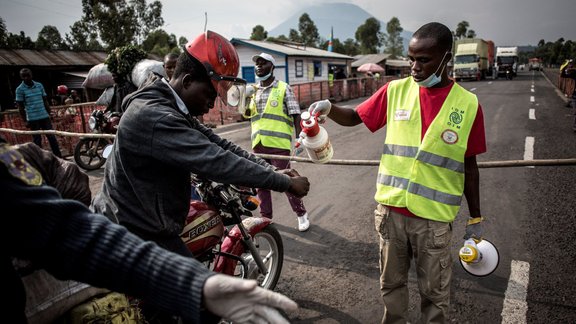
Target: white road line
(473, 89)
(515, 305)
(529, 149)
(532, 90)
(532, 114)
(532, 99)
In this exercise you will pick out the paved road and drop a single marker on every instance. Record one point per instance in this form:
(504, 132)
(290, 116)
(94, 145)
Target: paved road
(332, 270)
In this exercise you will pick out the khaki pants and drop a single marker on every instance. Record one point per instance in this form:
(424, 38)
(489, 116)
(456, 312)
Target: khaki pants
(404, 238)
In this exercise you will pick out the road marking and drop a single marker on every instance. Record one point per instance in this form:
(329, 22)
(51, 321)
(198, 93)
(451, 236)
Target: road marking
(490, 82)
(532, 90)
(473, 89)
(532, 99)
(515, 305)
(529, 149)
(532, 114)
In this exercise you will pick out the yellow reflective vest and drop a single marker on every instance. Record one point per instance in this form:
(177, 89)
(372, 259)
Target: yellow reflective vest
(273, 127)
(425, 175)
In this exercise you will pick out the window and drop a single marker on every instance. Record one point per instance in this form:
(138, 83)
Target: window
(317, 68)
(299, 68)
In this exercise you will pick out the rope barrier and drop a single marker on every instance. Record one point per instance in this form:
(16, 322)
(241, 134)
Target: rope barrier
(56, 132)
(483, 165)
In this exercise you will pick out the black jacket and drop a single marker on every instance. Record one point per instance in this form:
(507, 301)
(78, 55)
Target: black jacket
(147, 176)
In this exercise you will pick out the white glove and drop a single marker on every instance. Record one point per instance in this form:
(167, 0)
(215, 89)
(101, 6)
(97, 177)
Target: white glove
(321, 107)
(250, 90)
(243, 301)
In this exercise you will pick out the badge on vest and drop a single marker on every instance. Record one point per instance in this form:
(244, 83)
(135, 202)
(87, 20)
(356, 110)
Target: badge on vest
(18, 167)
(449, 136)
(402, 114)
(274, 103)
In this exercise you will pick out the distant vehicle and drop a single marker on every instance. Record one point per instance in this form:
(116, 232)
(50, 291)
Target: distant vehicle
(534, 64)
(473, 59)
(507, 60)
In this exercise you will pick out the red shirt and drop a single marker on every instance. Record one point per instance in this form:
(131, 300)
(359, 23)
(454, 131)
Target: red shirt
(373, 114)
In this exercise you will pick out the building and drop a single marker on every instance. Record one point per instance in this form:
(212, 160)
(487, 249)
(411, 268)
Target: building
(295, 62)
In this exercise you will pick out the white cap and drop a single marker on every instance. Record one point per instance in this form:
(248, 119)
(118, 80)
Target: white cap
(265, 56)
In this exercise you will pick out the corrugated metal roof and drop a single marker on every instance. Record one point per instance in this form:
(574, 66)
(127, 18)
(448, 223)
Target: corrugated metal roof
(398, 63)
(290, 49)
(369, 58)
(25, 57)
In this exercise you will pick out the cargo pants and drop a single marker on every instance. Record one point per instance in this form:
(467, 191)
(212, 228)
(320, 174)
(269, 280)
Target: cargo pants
(402, 239)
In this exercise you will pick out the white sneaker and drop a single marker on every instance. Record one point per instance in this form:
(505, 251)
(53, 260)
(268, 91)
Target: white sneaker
(303, 223)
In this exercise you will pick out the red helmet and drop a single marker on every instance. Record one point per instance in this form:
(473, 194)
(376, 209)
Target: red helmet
(62, 89)
(220, 59)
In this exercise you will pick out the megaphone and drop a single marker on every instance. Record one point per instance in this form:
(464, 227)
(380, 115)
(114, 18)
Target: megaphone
(479, 259)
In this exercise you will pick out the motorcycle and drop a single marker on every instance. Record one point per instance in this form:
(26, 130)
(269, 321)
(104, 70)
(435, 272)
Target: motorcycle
(89, 152)
(219, 235)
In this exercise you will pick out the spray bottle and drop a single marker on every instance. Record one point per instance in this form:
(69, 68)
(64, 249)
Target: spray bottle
(315, 139)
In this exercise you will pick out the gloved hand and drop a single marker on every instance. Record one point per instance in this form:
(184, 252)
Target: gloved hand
(322, 107)
(474, 229)
(243, 301)
(250, 90)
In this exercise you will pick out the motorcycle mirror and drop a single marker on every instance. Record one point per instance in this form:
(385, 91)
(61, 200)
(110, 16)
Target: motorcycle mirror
(107, 151)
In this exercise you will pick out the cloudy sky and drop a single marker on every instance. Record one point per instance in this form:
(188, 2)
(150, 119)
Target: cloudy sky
(519, 22)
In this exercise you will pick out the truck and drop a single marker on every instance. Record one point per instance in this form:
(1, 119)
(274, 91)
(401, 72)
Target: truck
(473, 59)
(506, 59)
(534, 64)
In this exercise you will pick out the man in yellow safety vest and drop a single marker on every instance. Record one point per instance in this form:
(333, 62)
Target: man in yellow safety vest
(274, 114)
(435, 129)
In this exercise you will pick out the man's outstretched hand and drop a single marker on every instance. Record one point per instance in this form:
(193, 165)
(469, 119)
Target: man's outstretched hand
(299, 186)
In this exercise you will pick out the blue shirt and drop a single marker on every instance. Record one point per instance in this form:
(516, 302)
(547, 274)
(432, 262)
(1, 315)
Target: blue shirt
(33, 99)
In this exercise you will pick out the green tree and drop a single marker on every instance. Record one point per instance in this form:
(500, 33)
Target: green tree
(461, 29)
(49, 38)
(259, 33)
(308, 31)
(121, 22)
(83, 38)
(369, 36)
(470, 33)
(351, 47)
(393, 42)
(159, 42)
(294, 36)
(22, 41)
(3, 33)
(182, 41)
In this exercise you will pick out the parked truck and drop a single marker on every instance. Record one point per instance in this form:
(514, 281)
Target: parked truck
(473, 59)
(507, 60)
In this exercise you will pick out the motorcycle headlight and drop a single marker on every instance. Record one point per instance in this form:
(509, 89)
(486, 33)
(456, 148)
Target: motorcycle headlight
(92, 122)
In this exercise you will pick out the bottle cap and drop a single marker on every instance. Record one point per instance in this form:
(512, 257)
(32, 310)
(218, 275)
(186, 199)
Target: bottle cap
(305, 115)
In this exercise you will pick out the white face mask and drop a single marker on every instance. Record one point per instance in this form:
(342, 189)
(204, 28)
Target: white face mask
(264, 78)
(433, 79)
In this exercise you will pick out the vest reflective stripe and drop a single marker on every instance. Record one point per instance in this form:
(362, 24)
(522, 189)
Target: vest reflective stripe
(273, 127)
(426, 176)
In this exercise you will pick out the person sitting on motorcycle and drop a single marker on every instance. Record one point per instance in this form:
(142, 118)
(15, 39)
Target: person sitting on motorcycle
(160, 142)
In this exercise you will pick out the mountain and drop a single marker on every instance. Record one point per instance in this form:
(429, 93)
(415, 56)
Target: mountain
(345, 18)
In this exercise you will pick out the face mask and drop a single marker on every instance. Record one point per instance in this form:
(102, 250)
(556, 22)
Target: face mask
(433, 79)
(263, 78)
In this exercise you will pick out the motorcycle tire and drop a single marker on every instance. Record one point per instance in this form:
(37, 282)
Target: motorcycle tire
(269, 244)
(88, 153)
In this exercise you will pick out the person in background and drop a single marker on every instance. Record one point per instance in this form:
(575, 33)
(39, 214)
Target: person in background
(568, 70)
(32, 102)
(274, 114)
(434, 130)
(75, 97)
(63, 237)
(170, 64)
(160, 142)
(122, 88)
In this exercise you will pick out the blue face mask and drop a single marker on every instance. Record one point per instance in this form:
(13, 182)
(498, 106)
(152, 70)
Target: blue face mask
(433, 79)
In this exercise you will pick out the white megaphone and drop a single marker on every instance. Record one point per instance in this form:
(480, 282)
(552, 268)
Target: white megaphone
(479, 259)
